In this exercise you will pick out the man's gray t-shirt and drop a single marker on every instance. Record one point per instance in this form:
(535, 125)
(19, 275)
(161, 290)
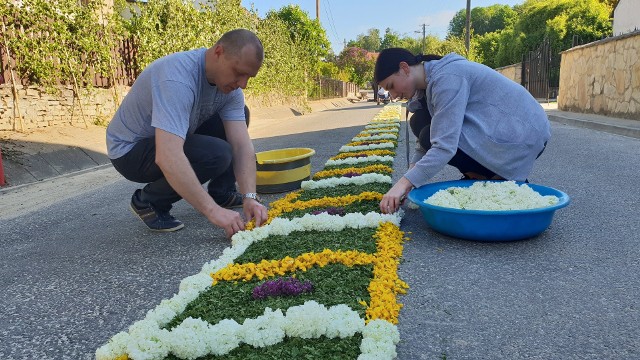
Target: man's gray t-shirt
(171, 94)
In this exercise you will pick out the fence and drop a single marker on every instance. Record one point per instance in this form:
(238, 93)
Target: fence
(124, 68)
(541, 71)
(326, 88)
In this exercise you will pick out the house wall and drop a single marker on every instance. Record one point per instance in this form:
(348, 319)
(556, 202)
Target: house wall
(626, 17)
(602, 77)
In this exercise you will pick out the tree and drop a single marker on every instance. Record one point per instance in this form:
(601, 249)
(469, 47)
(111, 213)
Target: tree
(483, 20)
(370, 42)
(562, 19)
(304, 32)
(391, 39)
(359, 63)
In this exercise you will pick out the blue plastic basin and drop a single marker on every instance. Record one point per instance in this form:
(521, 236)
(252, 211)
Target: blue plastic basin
(483, 225)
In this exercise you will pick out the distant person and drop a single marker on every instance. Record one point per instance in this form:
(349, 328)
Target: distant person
(183, 124)
(466, 115)
(383, 95)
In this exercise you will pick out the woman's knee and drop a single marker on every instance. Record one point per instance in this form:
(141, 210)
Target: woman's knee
(419, 120)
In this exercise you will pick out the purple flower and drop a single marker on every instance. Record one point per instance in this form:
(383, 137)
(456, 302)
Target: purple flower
(351, 174)
(281, 287)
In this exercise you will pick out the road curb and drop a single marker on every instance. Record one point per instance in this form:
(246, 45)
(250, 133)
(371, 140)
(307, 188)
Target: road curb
(613, 128)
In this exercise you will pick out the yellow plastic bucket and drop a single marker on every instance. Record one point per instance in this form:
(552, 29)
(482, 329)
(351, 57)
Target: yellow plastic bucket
(282, 169)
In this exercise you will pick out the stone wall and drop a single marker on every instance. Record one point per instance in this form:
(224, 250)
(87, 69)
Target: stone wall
(513, 72)
(41, 109)
(602, 77)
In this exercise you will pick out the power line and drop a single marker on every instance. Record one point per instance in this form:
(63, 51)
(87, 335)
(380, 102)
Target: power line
(331, 23)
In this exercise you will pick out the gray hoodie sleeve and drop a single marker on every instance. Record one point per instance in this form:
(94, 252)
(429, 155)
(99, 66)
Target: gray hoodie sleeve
(447, 97)
(418, 153)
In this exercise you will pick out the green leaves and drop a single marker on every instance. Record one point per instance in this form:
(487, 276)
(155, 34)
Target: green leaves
(58, 41)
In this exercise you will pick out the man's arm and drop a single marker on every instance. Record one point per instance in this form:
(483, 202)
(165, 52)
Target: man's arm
(175, 166)
(244, 167)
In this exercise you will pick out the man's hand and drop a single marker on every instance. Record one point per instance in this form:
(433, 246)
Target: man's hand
(229, 220)
(253, 210)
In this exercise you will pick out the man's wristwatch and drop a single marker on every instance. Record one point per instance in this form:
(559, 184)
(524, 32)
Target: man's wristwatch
(253, 196)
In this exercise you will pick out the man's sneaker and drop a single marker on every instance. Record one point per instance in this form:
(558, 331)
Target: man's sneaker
(229, 200)
(155, 220)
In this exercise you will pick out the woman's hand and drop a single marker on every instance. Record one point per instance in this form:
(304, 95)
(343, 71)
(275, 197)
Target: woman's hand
(392, 200)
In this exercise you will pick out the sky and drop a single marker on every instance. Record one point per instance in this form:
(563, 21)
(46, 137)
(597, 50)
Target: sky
(346, 19)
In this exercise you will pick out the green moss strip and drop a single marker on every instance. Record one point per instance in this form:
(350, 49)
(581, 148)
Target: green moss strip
(343, 190)
(364, 207)
(300, 242)
(295, 348)
(333, 284)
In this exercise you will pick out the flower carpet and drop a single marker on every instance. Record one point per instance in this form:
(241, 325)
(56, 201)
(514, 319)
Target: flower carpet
(318, 281)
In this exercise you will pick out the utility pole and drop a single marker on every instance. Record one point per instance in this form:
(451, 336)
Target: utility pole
(318, 10)
(467, 35)
(424, 35)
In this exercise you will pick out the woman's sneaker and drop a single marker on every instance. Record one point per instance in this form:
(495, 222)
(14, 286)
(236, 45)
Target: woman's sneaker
(156, 220)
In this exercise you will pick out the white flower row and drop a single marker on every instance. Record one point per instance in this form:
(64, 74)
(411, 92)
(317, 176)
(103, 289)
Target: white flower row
(384, 145)
(380, 131)
(379, 126)
(489, 195)
(358, 160)
(147, 340)
(195, 338)
(375, 137)
(336, 181)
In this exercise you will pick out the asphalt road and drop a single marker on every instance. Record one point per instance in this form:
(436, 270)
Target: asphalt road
(83, 268)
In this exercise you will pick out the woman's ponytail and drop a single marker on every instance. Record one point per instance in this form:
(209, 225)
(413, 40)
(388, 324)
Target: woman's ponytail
(389, 60)
(420, 57)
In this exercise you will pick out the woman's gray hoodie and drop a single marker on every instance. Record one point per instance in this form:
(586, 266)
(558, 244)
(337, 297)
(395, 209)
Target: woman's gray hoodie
(488, 116)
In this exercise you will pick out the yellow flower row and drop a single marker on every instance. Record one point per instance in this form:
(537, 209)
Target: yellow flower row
(287, 204)
(386, 285)
(378, 168)
(271, 268)
(381, 152)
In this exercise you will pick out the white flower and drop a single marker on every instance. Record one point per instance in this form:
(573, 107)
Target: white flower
(223, 337)
(189, 339)
(353, 160)
(483, 195)
(379, 340)
(375, 137)
(383, 145)
(357, 180)
(381, 330)
(308, 321)
(147, 341)
(343, 322)
(264, 330)
(162, 314)
(116, 346)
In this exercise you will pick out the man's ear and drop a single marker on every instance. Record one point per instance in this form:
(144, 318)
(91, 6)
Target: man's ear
(218, 50)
